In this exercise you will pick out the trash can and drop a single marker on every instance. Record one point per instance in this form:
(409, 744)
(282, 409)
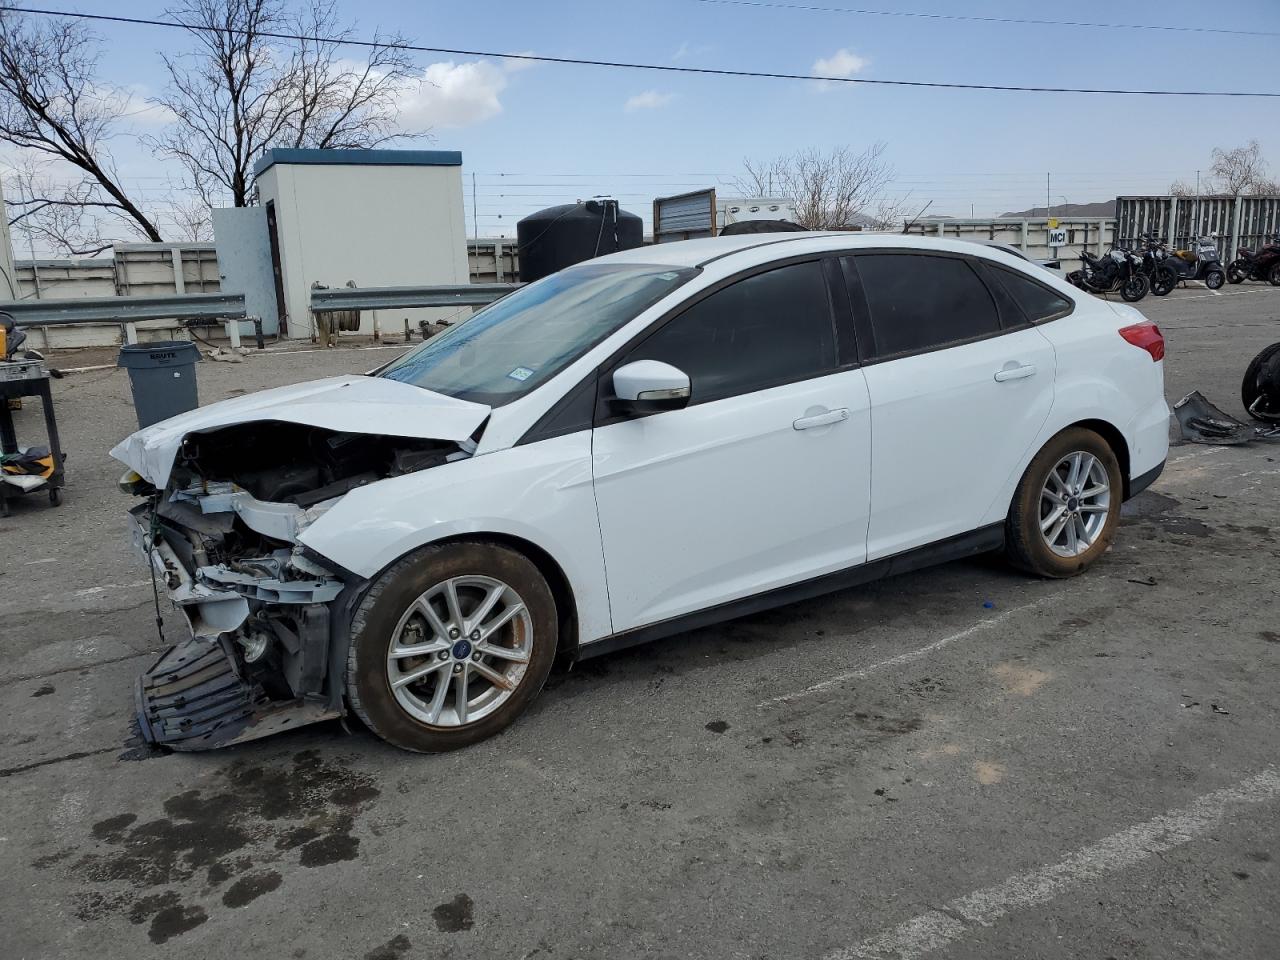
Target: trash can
(162, 376)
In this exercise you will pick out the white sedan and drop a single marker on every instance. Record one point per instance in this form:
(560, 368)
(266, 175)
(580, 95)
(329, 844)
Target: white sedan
(633, 447)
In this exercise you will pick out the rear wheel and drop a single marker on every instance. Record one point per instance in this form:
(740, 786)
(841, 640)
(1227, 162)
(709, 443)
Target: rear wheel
(1236, 272)
(450, 645)
(1067, 505)
(1273, 275)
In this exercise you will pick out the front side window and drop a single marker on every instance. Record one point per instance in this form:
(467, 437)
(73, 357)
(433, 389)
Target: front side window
(768, 329)
(921, 302)
(519, 342)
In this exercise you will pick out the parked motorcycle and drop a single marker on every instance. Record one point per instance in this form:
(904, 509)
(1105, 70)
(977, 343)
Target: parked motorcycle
(1117, 270)
(1202, 263)
(1260, 264)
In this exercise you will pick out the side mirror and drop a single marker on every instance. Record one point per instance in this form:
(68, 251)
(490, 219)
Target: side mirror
(647, 386)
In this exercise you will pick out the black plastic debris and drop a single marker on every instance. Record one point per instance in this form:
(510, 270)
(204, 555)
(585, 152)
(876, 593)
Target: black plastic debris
(1201, 422)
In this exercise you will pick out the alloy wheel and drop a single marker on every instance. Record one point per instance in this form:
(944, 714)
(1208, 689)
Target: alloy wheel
(1075, 503)
(460, 651)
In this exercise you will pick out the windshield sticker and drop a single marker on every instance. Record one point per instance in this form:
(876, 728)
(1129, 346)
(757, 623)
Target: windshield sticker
(520, 373)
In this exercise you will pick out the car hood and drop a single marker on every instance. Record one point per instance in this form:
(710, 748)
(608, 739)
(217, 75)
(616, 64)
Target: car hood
(348, 404)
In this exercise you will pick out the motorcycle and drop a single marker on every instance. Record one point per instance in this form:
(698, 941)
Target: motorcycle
(1260, 264)
(1117, 270)
(1202, 263)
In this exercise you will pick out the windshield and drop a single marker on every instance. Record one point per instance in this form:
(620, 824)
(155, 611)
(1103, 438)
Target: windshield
(521, 341)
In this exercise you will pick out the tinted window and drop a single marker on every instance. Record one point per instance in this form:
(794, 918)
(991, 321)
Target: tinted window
(1038, 302)
(765, 330)
(920, 302)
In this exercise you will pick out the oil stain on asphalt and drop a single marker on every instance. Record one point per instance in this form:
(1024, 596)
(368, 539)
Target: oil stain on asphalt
(256, 816)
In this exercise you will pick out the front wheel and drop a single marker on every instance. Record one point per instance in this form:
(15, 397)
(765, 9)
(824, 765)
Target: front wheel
(1164, 281)
(450, 645)
(1214, 279)
(1236, 272)
(1273, 275)
(1135, 288)
(1067, 506)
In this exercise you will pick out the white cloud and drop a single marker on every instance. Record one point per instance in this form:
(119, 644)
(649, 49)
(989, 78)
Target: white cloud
(454, 95)
(842, 63)
(649, 100)
(451, 94)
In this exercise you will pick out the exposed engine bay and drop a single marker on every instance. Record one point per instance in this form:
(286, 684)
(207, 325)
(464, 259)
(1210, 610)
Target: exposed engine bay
(268, 617)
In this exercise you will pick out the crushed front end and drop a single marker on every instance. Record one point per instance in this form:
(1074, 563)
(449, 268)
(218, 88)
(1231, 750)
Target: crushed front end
(268, 617)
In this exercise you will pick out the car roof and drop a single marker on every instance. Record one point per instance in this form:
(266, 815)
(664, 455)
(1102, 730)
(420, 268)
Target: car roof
(763, 247)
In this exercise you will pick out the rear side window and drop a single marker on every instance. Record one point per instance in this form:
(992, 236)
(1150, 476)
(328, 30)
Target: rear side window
(768, 329)
(1037, 301)
(921, 302)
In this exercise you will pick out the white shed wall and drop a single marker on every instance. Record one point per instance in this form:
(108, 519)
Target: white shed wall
(378, 225)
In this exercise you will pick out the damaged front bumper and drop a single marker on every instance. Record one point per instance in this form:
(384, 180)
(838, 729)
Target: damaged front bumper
(264, 628)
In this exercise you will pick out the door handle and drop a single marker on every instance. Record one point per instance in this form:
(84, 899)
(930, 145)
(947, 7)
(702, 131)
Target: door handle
(1013, 371)
(821, 419)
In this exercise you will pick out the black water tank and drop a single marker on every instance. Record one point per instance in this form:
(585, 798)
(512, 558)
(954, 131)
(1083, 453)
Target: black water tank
(559, 237)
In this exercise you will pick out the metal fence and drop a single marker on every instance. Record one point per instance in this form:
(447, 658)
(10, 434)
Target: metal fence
(1030, 235)
(1236, 221)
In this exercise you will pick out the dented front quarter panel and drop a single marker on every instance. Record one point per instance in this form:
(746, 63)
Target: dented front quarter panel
(540, 493)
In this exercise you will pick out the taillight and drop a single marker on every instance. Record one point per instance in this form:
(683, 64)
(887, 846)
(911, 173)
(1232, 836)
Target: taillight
(1146, 336)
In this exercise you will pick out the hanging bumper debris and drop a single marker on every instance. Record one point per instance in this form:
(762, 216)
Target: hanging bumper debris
(1201, 422)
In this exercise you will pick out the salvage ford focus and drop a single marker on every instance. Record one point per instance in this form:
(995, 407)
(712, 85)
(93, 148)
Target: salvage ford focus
(633, 447)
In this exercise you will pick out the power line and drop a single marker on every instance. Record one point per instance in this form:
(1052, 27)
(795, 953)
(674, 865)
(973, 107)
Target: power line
(955, 16)
(624, 65)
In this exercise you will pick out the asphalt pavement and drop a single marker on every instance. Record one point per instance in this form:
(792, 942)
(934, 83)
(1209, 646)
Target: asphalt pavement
(958, 763)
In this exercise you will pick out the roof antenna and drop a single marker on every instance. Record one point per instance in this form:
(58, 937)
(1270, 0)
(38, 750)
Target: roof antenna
(906, 227)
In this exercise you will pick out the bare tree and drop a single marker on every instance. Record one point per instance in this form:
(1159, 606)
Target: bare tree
(53, 106)
(835, 190)
(1242, 170)
(192, 219)
(249, 86)
(1234, 172)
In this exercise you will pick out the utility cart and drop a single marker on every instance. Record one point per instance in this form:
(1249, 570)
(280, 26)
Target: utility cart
(27, 378)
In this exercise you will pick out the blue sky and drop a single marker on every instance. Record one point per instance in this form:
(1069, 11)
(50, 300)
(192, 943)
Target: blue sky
(546, 134)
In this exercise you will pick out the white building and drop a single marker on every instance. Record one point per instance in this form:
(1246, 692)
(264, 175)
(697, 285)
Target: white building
(380, 218)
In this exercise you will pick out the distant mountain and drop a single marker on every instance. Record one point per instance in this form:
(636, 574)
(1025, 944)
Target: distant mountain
(1106, 208)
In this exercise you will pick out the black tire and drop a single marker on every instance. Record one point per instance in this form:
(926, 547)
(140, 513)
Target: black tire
(1025, 546)
(367, 684)
(1236, 271)
(1214, 279)
(55, 496)
(1273, 275)
(1249, 390)
(1135, 288)
(1164, 281)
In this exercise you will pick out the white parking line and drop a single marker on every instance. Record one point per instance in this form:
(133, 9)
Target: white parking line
(944, 925)
(910, 655)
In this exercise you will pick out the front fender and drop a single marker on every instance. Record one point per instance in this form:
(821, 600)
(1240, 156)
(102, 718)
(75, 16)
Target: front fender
(540, 492)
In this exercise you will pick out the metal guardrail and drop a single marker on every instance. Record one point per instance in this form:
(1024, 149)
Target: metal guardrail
(187, 306)
(404, 298)
(129, 310)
